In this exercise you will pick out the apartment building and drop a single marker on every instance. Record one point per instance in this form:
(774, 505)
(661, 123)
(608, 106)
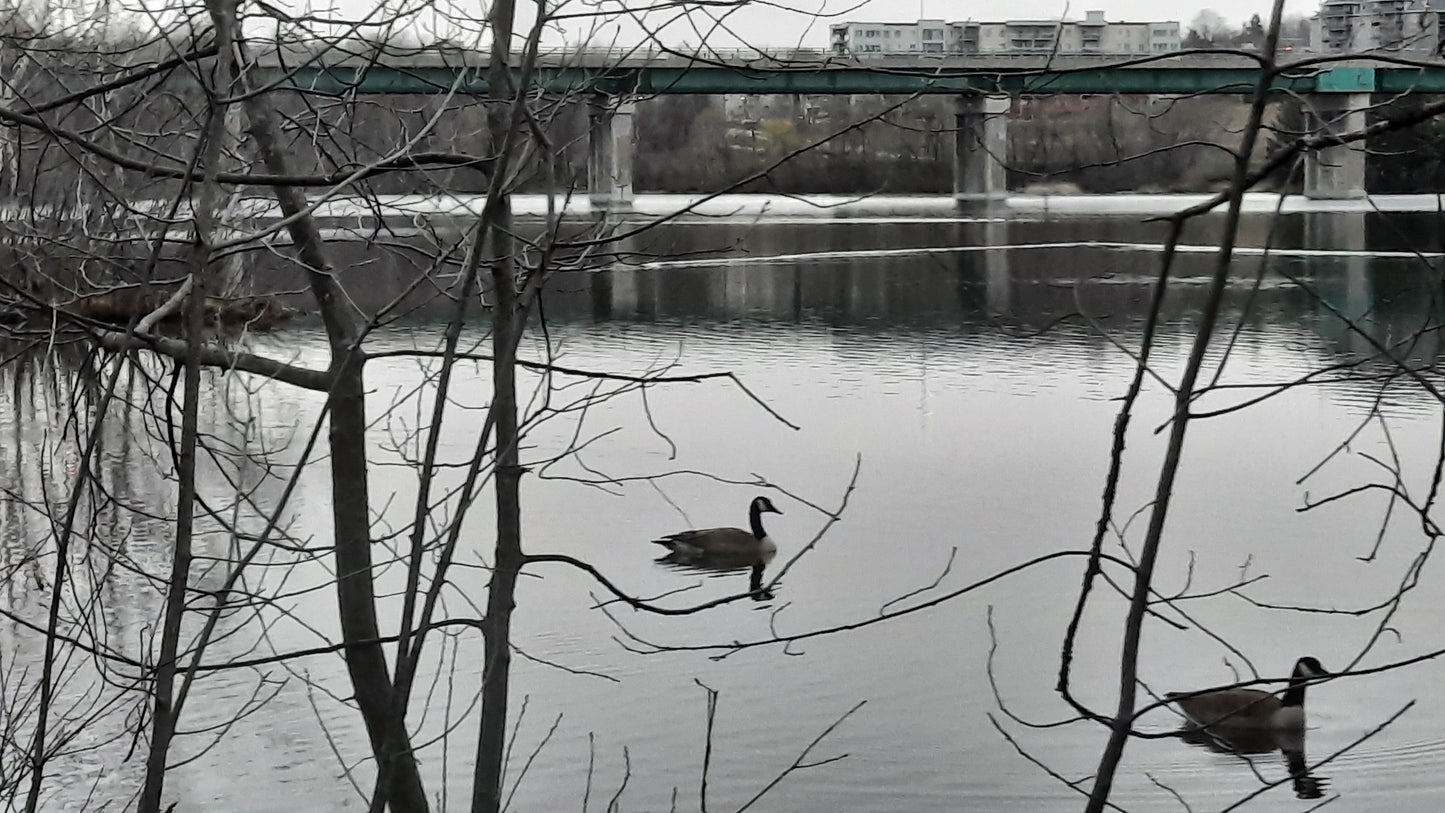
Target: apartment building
(1092, 35)
(1406, 27)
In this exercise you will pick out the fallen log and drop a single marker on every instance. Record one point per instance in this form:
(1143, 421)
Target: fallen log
(126, 306)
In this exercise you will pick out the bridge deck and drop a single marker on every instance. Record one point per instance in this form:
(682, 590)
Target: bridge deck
(647, 73)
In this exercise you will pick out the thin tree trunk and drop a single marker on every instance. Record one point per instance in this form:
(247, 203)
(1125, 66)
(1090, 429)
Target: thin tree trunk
(350, 502)
(1123, 723)
(507, 323)
(496, 626)
(166, 710)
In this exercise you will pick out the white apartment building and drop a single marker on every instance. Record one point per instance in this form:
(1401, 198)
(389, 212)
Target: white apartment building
(1091, 35)
(924, 36)
(1407, 27)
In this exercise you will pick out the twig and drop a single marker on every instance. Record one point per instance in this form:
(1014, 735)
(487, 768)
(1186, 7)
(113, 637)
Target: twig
(799, 764)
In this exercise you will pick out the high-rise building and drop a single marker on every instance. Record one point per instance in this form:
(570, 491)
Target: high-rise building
(1405, 27)
(1091, 35)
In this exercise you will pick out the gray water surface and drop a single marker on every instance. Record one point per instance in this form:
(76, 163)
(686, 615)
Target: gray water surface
(975, 391)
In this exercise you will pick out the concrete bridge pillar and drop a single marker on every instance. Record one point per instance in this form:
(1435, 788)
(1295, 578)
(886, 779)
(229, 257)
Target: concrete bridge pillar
(610, 143)
(1336, 173)
(980, 148)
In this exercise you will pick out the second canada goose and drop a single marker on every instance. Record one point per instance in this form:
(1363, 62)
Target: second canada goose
(729, 543)
(1251, 708)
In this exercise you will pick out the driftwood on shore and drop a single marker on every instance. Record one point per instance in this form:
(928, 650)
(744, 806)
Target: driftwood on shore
(126, 306)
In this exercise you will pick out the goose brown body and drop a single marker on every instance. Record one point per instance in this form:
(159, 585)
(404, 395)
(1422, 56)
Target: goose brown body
(729, 543)
(1233, 707)
(1251, 708)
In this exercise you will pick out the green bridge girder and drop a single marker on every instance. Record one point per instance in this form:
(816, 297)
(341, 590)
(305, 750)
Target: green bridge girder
(717, 79)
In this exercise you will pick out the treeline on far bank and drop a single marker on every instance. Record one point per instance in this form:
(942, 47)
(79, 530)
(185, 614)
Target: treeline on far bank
(789, 144)
(1091, 144)
(1411, 160)
(892, 145)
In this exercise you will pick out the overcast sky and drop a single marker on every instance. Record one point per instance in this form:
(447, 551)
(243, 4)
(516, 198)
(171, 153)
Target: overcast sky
(1236, 11)
(792, 23)
(771, 25)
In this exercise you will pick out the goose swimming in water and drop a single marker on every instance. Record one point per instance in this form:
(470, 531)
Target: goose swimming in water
(726, 543)
(1251, 708)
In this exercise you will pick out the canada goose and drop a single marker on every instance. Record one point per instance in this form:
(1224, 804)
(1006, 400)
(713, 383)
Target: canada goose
(1251, 708)
(726, 543)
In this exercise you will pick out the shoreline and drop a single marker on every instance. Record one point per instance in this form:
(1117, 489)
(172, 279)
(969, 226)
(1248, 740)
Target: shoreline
(652, 205)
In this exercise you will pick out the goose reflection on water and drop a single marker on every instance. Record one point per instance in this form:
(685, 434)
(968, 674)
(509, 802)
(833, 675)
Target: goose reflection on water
(1245, 743)
(723, 567)
(1244, 721)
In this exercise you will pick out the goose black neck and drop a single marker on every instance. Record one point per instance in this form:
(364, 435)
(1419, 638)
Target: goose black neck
(755, 516)
(1295, 694)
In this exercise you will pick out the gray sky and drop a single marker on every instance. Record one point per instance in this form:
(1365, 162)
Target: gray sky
(1233, 10)
(771, 25)
(785, 23)
(1236, 11)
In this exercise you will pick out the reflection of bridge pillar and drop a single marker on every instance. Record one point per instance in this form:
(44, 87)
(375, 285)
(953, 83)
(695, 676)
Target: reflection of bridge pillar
(623, 290)
(633, 294)
(609, 153)
(614, 282)
(1337, 172)
(980, 148)
(1350, 291)
(1335, 231)
(999, 285)
(985, 278)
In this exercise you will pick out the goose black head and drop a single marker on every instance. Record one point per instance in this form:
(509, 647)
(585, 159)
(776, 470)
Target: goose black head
(765, 505)
(1307, 667)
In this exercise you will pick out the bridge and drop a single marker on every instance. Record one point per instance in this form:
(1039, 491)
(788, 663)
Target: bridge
(624, 71)
(614, 79)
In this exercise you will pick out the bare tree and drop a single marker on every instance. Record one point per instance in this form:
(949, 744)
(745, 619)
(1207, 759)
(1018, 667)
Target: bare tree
(233, 126)
(1208, 28)
(167, 184)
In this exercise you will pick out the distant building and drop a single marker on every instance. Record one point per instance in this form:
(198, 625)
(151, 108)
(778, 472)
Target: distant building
(1406, 27)
(1091, 35)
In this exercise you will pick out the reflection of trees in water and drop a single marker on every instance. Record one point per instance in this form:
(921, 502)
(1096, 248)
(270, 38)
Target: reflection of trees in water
(120, 538)
(929, 274)
(964, 276)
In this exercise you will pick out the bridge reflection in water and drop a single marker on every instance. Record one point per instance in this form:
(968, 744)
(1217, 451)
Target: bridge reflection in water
(1022, 269)
(917, 271)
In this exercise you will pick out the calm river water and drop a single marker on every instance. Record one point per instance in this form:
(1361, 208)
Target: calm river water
(975, 388)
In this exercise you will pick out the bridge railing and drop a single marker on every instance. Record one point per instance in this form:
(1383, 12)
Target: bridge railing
(362, 54)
